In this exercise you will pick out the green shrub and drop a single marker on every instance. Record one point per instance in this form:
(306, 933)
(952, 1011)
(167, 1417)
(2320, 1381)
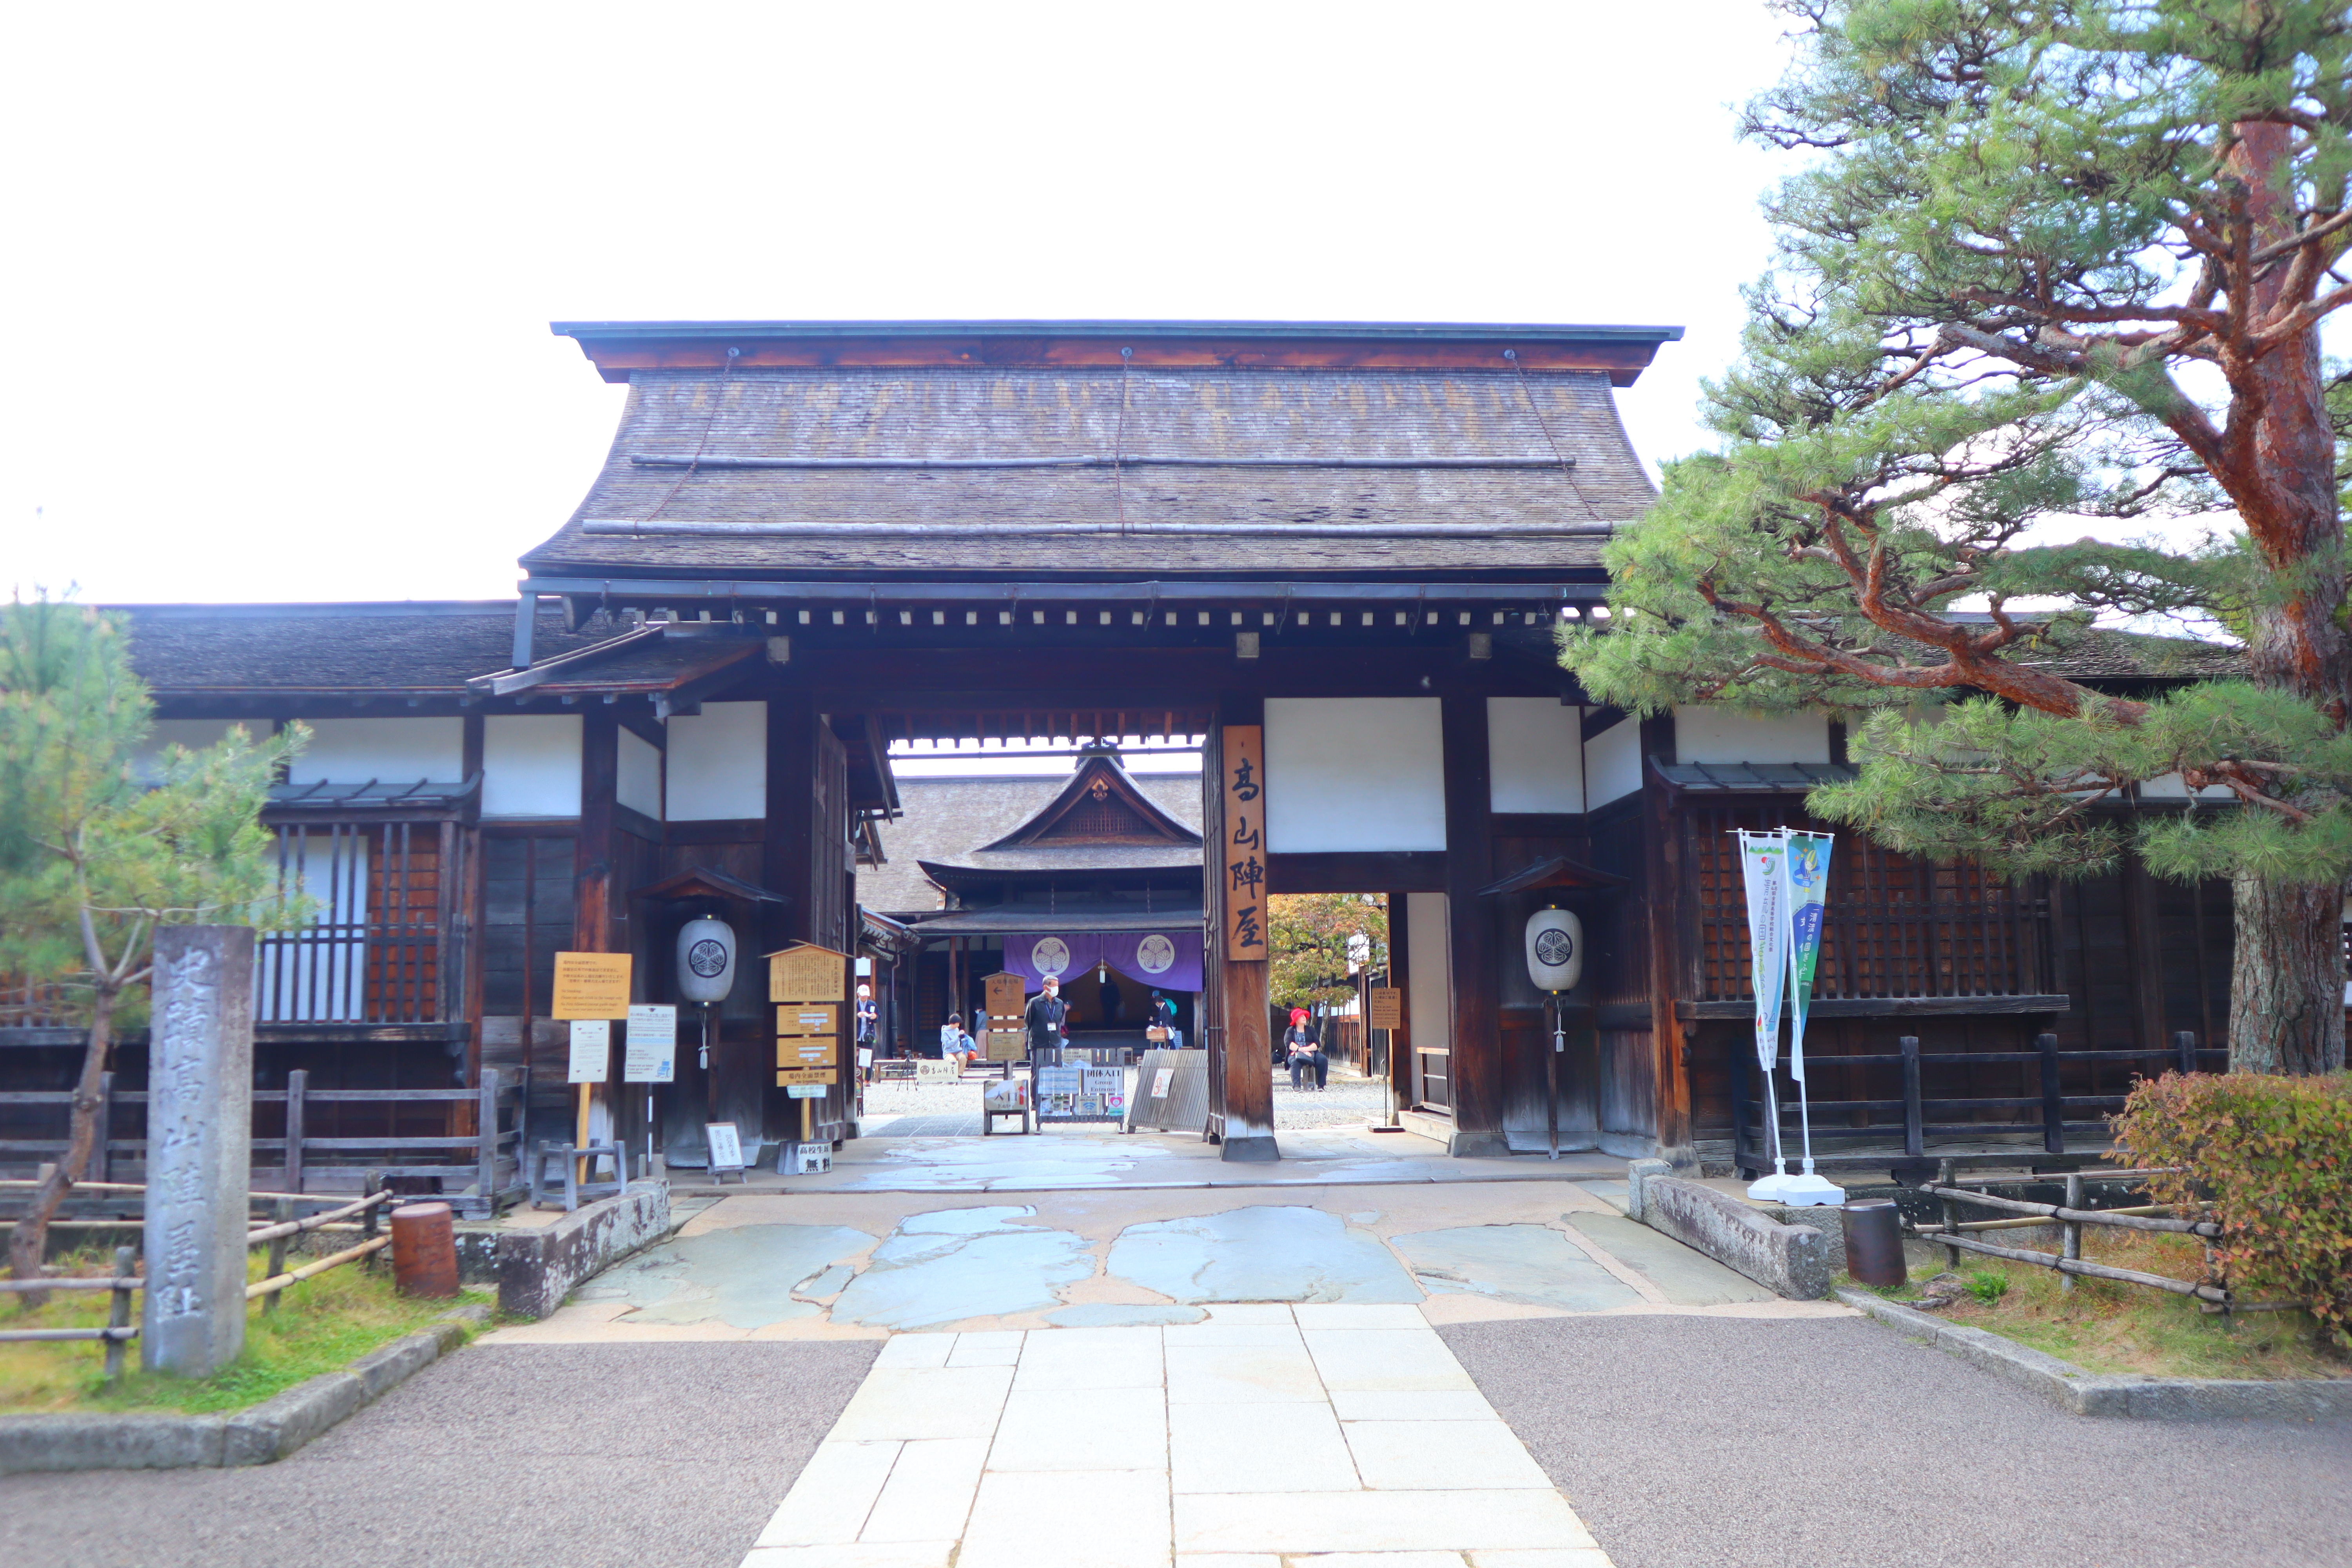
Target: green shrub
(2274, 1158)
(1988, 1285)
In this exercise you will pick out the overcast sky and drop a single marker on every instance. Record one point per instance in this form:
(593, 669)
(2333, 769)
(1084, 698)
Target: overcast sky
(282, 275)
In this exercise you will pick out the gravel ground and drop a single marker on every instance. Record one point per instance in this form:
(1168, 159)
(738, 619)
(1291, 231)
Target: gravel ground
(585, 1456)
(1345, 1100)
(1723, 1443)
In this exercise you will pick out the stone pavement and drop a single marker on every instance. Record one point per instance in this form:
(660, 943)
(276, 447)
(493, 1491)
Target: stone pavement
(1263, 1433)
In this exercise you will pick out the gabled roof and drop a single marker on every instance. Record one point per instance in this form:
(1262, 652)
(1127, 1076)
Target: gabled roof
(1101, 804)
(1042, 450)
(944, 820)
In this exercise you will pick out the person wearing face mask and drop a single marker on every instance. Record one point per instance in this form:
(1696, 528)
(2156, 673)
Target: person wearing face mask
(1048, 1021)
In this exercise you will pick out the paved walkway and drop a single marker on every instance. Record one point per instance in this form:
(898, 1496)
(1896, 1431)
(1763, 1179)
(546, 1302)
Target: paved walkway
(1264, 1432)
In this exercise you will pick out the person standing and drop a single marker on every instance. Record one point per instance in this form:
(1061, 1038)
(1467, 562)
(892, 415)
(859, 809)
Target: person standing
(1047, 1020)
(1162, 1015)
(866, 1016)
(1305, 1052)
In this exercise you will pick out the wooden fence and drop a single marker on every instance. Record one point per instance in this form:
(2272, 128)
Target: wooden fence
(2048, 1110)
(120, 1330)
(483, 1141)
(1956, 1236)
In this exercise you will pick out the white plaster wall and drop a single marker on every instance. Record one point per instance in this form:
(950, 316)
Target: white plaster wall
(638, 785)
(530, 764)
(1429, 972)
(353, 751)
(2171, 787)
(719, 762)
(1726, 735)
(1535, 754)
(147, 762)
(1354, 773)
(1612, 763)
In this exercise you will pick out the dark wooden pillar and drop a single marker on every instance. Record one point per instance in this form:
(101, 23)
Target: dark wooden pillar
(1663, 895)
(1477, 1060)
(1241, 1087)
(1401, 1060)
(599, 907)
(787, 858)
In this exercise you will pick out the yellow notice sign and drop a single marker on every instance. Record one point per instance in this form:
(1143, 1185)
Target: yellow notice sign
(804, 1052)
(788, 1077)
(806, 1018)
(591, 985)
(1387, 1007)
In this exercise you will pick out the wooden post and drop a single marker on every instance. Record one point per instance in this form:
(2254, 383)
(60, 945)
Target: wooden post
(298, 1085)
(1914, 1141)
(486, 1150)
(2184, 1046)
(597, 914)
(1743, 1103)
(119, 1317)
(1951, 1214)
(281, 1212)
(1475, 1071)
(2072, 1245)
(1234, 863)
(2054, 1105)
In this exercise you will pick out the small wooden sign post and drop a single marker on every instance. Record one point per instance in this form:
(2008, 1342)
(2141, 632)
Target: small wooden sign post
(810, 988)
(1387, 1008)
(1008, 1005)
(590, 986)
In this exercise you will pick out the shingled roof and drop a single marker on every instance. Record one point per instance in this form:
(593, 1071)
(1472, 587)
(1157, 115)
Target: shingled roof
(406, 647)
(1458, 443)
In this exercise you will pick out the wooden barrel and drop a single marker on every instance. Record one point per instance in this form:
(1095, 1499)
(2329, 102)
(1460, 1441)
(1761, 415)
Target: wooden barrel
(424, 1250)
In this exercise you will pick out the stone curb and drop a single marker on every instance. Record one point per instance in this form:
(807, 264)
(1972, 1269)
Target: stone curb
(2072, 1388)
(265, 1433)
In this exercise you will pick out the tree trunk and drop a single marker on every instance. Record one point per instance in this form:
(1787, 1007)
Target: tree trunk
(2286, 978)
(28, 1243)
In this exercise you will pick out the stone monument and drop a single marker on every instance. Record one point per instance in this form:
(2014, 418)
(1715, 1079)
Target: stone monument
(199, 1149)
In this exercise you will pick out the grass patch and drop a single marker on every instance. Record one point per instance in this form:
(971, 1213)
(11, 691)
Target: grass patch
(324, 1324)
(2110, 1327)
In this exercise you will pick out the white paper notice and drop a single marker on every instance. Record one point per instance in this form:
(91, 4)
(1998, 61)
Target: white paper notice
(591, 1049)
(1160, 1081)
(726, 1145)
(650, 1053)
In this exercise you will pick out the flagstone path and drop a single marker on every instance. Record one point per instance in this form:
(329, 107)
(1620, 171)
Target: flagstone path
(1264, 1432)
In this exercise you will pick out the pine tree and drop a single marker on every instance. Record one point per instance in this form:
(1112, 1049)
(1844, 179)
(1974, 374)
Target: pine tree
(94, 855)
(2042, 262)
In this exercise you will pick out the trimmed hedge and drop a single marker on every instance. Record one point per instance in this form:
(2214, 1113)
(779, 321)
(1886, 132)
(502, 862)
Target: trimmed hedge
(2273, 1156)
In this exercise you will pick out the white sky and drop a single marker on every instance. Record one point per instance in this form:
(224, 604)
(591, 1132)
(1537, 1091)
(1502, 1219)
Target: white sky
(281, 276)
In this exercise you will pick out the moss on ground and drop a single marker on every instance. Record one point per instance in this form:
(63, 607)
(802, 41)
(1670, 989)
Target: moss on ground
(324, 1324)
(2115, 1328)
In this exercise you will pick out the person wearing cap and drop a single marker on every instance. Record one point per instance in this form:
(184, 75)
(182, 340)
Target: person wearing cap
(1305, 1052)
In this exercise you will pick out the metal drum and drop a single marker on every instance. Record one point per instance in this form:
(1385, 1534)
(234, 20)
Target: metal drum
(424, 1250)
(1874, 1242)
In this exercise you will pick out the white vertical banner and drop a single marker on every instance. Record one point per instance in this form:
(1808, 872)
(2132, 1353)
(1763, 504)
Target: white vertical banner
(1763, 867)
(1808, 863)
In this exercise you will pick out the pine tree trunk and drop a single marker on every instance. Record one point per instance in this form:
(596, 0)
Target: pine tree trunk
(2286, 978)
(28, 1242)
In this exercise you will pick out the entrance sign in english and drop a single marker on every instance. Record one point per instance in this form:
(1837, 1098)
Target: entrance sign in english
(650, 1055)
(591, 985)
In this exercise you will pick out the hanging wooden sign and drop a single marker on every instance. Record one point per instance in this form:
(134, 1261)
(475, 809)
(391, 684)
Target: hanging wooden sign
(808, 973)
(1244, 847)
(804, 1051)
(808, 1018)
(591, 985)
(1387, 1008)
(794, 1078)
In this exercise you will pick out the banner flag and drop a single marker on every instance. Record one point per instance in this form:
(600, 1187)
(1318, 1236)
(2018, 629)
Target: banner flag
(1808, 863)
(1763, 867)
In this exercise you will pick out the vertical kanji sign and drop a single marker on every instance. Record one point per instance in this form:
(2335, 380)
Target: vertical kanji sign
(1244, 848)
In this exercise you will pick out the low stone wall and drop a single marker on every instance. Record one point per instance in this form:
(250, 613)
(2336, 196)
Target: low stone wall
(1792, 1259)
(539, 1267)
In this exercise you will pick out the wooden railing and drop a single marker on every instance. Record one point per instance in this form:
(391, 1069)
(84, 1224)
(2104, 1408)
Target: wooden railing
(2057, 1115)
(491, 1153)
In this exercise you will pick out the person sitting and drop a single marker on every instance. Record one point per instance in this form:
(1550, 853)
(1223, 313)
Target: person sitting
(955, 1045)
(1305, 1052)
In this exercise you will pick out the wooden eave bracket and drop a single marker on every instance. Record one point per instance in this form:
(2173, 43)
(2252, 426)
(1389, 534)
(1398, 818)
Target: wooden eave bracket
(506, 682)
(1557, 871)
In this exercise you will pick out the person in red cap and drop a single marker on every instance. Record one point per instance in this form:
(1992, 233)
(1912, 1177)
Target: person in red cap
(1305, 1051)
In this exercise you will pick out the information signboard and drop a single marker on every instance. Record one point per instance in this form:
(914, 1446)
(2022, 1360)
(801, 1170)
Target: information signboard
(591, 985)
(1241, 862)
(591, 1050)
(808, 973)
(726, 1146)
(1386, 1009)
(650, 1053)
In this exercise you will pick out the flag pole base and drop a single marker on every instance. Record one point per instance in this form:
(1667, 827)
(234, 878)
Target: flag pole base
(1807, 1191)
(1773, 1189)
